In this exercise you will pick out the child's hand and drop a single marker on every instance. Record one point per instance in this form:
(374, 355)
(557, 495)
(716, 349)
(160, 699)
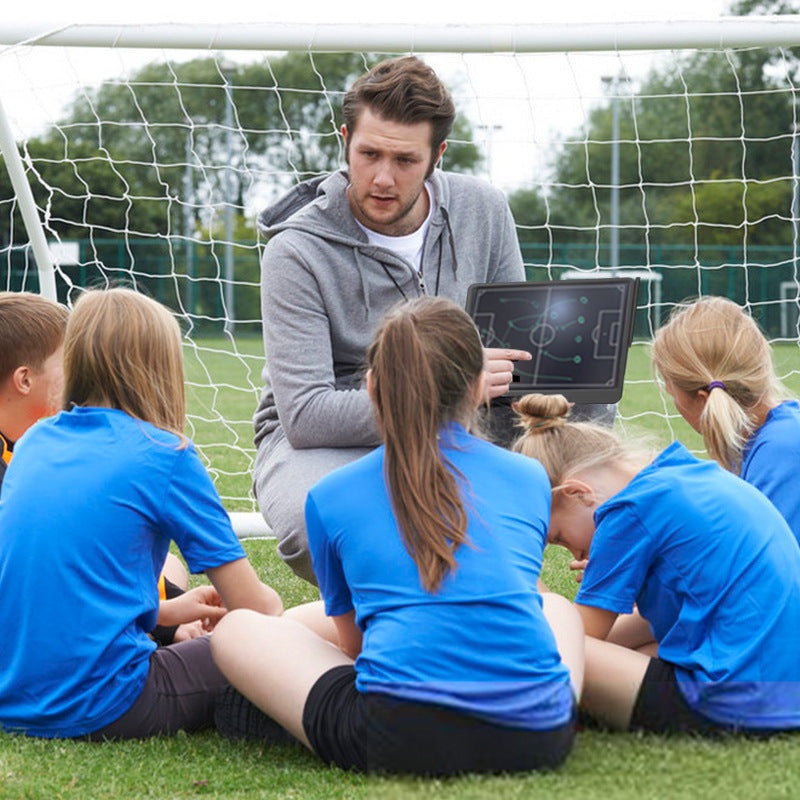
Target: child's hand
(189, 630)
(202, 603)
(578, 567)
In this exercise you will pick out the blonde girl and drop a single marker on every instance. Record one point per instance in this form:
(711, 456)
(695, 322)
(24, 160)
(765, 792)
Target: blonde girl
(94, 496)
(717, 365)
(710, 564)
(428, 552)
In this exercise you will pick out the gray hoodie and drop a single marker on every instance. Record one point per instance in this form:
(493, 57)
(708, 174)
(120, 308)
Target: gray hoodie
(325, 289)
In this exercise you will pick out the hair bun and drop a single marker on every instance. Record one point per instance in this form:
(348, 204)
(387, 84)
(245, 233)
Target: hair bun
(539, 412)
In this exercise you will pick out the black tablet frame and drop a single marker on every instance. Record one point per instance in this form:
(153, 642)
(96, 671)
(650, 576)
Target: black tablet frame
(609, 391)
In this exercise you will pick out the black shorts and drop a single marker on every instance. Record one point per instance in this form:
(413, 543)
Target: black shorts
(379, 733)
(660, 707)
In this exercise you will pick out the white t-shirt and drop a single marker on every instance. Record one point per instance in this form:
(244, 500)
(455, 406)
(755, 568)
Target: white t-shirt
(409, 246)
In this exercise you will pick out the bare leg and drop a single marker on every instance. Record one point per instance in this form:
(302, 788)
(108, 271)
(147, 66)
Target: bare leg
(567, 627)
(274, 662)
(613, 678)
(313, 616)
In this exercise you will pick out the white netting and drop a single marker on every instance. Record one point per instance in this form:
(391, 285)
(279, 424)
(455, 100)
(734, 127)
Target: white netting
(148, 166)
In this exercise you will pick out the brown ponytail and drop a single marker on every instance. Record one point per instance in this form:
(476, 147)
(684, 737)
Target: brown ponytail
(425, 363)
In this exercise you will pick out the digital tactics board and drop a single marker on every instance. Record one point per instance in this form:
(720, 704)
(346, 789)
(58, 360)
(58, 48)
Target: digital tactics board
(578, 332)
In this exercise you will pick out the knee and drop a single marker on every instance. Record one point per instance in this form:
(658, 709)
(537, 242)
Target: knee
(232, 630)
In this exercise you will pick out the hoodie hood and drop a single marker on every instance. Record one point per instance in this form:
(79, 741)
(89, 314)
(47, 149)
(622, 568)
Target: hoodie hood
(314, 206)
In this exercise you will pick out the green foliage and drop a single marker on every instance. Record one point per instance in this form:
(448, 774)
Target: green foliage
(704, 146)
(159, 154)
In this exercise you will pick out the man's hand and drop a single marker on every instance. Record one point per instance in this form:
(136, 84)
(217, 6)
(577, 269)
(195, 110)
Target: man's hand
(499, 369)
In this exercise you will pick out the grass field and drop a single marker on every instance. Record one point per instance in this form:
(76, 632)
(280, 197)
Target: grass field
(603, 766)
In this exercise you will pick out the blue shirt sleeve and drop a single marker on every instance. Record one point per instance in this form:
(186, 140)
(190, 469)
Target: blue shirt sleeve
(195, 518)
(327, 565)
(619, 559)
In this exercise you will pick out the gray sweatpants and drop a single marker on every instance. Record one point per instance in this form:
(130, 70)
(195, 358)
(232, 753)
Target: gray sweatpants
(282, 477)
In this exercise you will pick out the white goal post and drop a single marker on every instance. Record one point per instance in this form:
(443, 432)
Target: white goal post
(142, 154)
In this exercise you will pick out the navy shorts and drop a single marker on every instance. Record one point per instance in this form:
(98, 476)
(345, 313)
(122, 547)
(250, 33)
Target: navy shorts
(373, 732)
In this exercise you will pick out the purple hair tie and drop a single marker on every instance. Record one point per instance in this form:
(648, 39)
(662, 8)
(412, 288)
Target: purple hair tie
(716, 385)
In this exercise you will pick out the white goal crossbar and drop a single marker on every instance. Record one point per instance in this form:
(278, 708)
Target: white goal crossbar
(635, 182)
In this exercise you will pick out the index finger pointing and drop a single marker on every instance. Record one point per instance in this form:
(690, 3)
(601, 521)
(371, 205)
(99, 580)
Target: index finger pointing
(507, 354)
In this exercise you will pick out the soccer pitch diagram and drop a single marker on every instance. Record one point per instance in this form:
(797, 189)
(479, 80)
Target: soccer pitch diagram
(577, 332)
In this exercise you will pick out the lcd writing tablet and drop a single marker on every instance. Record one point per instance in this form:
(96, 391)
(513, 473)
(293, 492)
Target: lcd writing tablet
(578, 332)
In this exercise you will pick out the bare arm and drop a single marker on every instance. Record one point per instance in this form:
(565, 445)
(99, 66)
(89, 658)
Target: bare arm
(597, 622)
(349, 634)
(201, 603)
(240, 587)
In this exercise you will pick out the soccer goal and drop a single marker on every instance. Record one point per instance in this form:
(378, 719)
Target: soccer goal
(142, 155)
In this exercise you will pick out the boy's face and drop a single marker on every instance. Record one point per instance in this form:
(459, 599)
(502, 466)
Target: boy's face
(46, 386)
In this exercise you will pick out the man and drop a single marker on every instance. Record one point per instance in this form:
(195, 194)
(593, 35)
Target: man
(342, 250)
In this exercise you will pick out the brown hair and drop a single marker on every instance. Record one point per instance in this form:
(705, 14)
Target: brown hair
(31, 330)
(404, 90)
(566, 448)
(426, 362)
(713, 339)
(123, 350)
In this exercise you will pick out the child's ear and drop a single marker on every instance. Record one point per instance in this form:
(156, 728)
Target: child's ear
(580, 491)
(21, 380)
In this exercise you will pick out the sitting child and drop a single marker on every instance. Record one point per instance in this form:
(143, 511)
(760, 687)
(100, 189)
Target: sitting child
(93, 497)
(709, 562)
(427, 552)
(31, 383)
(717, 365)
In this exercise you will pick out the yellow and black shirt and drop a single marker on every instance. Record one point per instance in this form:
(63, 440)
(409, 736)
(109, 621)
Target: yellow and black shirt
(6, 450)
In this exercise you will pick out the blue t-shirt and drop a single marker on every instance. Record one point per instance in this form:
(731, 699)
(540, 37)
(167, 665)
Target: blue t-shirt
(90, 503)
(715, 570)
(771, 461)
(480, 644)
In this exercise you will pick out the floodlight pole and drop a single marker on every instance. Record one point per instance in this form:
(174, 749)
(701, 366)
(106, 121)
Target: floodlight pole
(188, 225)
(612, 81)
(795, 192)
(228, 68)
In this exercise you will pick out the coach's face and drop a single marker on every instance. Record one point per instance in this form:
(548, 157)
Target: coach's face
(388, 163)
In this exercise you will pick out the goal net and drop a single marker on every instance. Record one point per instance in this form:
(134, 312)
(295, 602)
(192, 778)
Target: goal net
(665, 151)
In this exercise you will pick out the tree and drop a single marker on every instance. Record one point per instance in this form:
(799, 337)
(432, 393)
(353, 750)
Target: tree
(155, 154)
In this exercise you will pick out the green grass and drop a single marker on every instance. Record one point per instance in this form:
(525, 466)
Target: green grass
(603, 766)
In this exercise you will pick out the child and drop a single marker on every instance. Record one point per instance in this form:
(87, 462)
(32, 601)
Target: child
(31, 374)
(717, 365)
(709, 562)
(94, 495)
(31, 381)
(427, 552)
